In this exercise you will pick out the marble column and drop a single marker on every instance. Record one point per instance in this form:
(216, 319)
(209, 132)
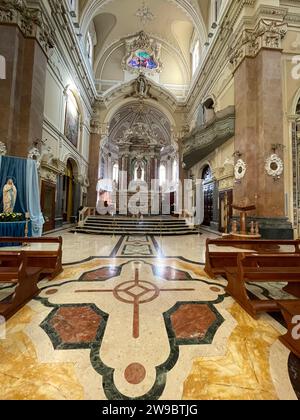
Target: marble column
(259, 125)
(94, 160)
(22, 93)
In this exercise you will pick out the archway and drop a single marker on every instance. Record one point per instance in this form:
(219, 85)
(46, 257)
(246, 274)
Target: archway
(139, 141)
(71, 192)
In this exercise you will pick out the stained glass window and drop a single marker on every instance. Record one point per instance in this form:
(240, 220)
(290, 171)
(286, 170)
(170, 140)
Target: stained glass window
(142, 59)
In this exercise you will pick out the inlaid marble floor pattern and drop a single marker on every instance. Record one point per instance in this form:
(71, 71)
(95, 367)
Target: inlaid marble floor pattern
(139, 323)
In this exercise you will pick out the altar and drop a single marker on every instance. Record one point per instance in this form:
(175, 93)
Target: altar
(15, 230)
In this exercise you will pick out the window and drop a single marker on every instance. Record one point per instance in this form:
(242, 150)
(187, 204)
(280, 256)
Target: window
(116, 173)
(90, 48)
(196, 57)
(175, 171)
(162, 175)
(217, 7)
(142, 60)
(2, 68)
(139, 171)
(298, 108)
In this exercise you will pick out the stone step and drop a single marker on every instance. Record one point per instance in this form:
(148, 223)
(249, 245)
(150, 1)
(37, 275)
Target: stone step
(133, 232)
(135, 226)
(135, 221)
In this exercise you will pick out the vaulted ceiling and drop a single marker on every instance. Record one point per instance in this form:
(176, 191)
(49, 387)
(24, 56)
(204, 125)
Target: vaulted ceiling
(176, 23)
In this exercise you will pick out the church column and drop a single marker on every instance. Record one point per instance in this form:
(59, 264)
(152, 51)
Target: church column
(25, 49)
(94, 162)
(259, 126)
(182, 176)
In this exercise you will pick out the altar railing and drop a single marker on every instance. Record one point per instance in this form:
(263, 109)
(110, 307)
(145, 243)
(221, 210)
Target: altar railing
(84, 214)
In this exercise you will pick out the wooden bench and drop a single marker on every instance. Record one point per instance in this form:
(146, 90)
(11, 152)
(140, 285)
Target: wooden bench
(15, 270)
(50, 261)
(289, 311)
(259, 268)
(217, 262)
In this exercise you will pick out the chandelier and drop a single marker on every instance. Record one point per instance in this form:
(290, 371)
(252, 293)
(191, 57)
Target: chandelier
(144, 14)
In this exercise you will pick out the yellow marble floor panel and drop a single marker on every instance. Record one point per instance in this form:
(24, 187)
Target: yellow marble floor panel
(22, 377)
(244, 372)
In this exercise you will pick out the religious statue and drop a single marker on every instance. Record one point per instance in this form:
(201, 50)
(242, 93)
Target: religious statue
(9, 196)
(141, 86)
(139, 172)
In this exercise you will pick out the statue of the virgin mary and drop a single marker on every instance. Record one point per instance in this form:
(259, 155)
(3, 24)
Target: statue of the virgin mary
(9, 196)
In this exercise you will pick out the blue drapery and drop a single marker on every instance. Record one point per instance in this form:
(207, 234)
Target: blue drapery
(33, 199)
(25, 176)
(14, 168)
(14, 229)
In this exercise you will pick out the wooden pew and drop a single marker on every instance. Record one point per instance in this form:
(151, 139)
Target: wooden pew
(259, 268)
(289, 311)
(50, 261)
(218, 261)
(16, 271)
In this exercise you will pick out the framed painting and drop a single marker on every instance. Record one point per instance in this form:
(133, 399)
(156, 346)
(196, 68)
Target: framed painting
(72, 121)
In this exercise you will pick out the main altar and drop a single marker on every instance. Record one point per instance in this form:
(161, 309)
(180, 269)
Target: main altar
(20, 212)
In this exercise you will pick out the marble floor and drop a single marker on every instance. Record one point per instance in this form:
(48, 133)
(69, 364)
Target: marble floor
(138, 318)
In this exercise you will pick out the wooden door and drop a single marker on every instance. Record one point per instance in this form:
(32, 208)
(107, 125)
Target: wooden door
(208, 204)
(48, 205)
(226, 201)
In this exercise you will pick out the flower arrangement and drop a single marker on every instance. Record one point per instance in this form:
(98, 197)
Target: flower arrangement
(11, 217)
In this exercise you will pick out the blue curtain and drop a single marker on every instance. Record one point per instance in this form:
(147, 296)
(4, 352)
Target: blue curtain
(33, 199)
(25, 176)
(14, 168)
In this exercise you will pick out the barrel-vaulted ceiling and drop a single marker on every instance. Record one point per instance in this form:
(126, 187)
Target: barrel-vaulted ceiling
(175, 25)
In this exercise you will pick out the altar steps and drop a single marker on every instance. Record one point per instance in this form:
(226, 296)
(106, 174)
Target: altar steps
(126, 226)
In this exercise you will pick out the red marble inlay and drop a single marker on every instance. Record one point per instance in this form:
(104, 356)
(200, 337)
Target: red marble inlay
(76, 324)
(192, 321)
(169, 273)
(135, 373)
(101, 274)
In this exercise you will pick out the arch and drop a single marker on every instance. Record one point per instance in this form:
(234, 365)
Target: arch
(206, 174)
(295, 102)
(129, 101)
(202, 168)
(72, 160)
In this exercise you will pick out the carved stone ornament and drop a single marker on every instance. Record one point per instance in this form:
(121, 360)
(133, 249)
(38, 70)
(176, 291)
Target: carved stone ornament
(240, 169)
(3, 149)
(35, 154)
(274, 166)
(267, 34)
(31, 21)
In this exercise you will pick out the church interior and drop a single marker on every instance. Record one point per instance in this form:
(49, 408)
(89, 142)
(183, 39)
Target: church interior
(149, 200)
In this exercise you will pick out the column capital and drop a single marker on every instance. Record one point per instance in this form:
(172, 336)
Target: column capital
(250, 41)
(31, 22)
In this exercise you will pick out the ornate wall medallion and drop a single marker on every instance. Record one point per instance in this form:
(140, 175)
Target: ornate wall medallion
(240, 169)
(3, 149)
(274, 166)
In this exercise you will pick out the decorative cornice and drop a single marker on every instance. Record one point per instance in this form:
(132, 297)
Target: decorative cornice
(31, 22)
(267, 34)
